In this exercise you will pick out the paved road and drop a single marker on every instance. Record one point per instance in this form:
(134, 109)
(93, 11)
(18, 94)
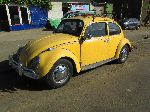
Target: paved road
(109, 88)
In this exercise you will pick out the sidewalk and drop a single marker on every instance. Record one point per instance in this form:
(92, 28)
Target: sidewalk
(10, 41)
(23, 35)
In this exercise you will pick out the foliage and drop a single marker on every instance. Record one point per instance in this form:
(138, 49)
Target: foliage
(42, 3)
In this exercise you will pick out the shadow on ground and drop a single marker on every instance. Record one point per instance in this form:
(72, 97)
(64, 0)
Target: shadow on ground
(10, 81)
(82, 72)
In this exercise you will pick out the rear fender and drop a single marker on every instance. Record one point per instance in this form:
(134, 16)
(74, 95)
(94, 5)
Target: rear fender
(122, 43)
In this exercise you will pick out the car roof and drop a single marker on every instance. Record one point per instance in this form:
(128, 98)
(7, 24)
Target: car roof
(88, 19)
(130, 19)
(79, 12)
(82, 12)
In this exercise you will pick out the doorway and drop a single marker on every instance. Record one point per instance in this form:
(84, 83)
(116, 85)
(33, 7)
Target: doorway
(4, 23)
(24, 15)
(14, 15)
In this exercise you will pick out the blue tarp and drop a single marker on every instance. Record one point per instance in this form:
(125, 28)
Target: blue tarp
(39, 18)
(20, 27)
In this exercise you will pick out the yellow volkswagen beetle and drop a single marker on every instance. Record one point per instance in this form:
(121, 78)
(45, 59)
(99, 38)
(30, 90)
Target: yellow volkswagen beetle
(78, 44)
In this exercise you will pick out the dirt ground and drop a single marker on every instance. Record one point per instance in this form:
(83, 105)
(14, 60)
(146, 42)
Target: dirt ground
(108, 88)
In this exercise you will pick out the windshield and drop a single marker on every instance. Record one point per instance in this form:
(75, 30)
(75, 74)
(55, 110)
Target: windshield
(70, 26)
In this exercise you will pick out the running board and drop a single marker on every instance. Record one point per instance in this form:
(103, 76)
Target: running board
(96, 64)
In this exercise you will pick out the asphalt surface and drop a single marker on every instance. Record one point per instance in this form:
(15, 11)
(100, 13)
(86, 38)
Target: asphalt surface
(109, 88)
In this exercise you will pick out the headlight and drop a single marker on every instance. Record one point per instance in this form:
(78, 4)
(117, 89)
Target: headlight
(125, 22)
(34, 62)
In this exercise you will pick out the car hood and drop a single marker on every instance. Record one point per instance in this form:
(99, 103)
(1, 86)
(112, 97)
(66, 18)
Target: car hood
(34, 48)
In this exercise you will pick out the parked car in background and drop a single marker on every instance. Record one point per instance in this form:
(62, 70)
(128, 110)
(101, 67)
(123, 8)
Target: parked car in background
(78, 13)
(130, 23)
(55, 22)
(79, 43)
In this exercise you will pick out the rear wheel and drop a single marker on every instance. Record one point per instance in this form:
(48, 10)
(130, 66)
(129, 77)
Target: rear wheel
(123, 54)
(60, 73)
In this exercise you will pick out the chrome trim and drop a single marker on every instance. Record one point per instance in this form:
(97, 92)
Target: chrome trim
(21, 69)
(60, 73)
(124, 54)
(96, 64)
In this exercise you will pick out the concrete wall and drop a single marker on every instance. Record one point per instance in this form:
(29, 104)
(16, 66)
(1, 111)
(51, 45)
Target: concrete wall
(56, 11)
(91, 7)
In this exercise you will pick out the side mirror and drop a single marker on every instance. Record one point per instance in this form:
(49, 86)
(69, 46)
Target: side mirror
(83, 38)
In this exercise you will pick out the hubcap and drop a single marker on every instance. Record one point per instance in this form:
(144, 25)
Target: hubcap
(124, 54)
(60, 73)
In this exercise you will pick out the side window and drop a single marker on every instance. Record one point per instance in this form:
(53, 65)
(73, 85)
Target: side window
(131, 21)
(96, 30)
(113, 29)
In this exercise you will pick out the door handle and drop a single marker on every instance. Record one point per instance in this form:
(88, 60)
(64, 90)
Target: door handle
(106, 40)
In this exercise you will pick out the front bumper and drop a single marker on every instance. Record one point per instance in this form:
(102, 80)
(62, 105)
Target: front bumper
(21, 69)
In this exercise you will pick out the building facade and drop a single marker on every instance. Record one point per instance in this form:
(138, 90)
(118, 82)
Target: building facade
(118, 8)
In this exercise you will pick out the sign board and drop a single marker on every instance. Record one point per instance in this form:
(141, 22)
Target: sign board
(80, 7)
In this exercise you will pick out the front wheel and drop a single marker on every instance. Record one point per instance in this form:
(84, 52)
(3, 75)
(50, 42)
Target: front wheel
(138, 27)
(123, 54)
(60, 73)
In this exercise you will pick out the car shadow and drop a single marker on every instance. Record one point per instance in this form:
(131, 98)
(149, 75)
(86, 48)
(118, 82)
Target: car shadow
(10, 81)
(82, 72)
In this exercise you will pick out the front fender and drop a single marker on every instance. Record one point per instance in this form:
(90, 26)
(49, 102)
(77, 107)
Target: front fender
(123, 42)
(48, 58)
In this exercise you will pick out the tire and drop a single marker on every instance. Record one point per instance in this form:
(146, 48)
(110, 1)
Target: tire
(138, 27)
(60, 73)
(123, 54)
(126, 28)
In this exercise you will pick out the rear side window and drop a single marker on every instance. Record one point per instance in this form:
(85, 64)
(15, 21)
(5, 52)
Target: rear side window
(96, 30)
(113, 29)
(135, 20)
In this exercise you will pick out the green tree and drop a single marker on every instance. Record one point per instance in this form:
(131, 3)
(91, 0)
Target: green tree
(42, 3)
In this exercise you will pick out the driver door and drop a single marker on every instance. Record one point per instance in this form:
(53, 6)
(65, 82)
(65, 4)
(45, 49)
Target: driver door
(94, 48)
